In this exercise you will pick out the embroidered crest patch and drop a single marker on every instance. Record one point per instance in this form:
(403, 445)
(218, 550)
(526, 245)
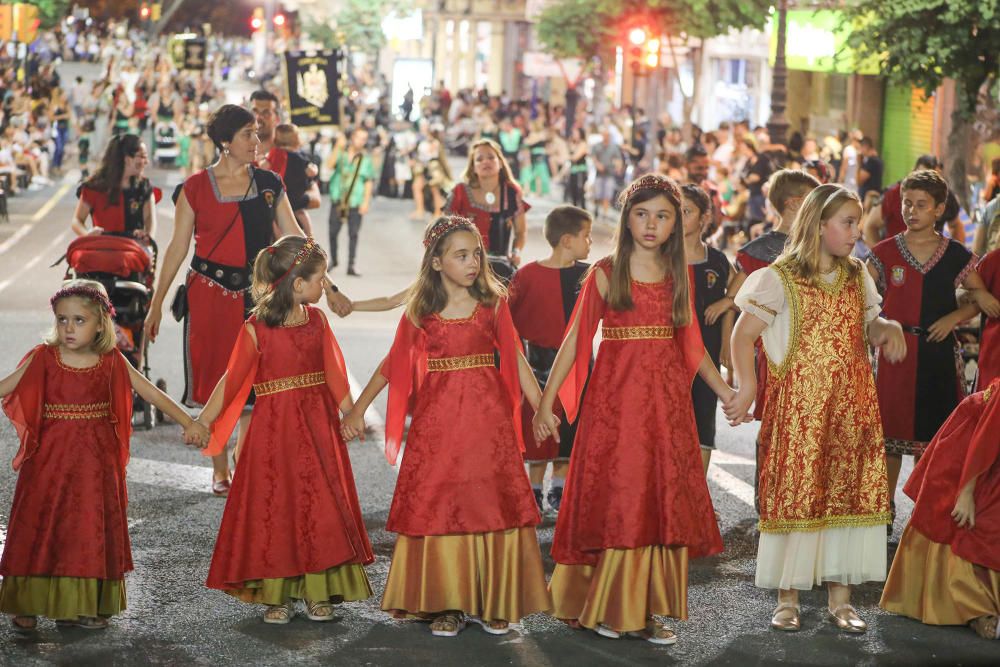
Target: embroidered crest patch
(269, 198)
(898, 275)
(711, 277)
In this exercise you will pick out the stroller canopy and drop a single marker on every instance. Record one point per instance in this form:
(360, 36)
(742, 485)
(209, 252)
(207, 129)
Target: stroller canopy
(117, 255)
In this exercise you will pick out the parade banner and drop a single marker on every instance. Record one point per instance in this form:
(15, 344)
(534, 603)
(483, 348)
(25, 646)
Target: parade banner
(311, 79)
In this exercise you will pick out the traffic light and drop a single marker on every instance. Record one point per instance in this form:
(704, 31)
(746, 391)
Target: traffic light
(257, 19)
(155, 11)
(144, 12)
(652, 53)
(279, 20)
(637, 36)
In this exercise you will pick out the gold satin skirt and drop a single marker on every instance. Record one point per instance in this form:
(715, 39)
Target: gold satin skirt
(62, 598)
(624, 588)
(497, 576)
(930, 583)
(343, 583)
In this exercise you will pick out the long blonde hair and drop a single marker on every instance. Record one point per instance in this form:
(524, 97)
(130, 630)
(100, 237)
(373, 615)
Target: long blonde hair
(469, 175)
(106, 339)
(274, 272)
(805, 241)
(427, 295)
(642, 190)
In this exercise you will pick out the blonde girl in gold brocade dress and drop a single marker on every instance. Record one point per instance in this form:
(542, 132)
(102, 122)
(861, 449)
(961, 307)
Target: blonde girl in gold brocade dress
(823, 498)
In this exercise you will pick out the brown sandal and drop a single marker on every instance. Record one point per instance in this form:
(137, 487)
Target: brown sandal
(987, 627)
(319, 611)
(656, 633)
(279, 614)
(448, 625)
(19, 625)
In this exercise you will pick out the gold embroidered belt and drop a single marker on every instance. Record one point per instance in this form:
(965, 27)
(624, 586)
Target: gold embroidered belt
(289, 383)
(459, 363)
(77, 410)
(637, 333)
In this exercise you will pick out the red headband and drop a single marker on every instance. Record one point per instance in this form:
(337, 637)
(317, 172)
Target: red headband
(308, 248)
(445, 225)
(86, 292)
(653, 182)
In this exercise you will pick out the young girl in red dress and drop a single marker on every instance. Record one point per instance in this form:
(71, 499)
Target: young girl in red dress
(70, 399)
(463, 508)
(286, 535)
(989, 341)
(947, 568)
(636, 504)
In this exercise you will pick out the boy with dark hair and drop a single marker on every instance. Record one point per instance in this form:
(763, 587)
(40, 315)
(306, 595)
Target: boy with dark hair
(917, 272)
(542, 297)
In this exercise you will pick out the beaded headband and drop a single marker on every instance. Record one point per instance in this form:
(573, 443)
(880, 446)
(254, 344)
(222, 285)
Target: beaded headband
(308, 248)
(87, 293)
(445, 225)
(653, 182)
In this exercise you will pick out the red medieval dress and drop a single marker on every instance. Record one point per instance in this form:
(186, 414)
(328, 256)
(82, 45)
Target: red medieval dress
(943, 574)
(292, 527)
(917, 394)
(124, 216)
(636, 505)
(67, 548)
(463, 507)
(228, 234)
(989, 340)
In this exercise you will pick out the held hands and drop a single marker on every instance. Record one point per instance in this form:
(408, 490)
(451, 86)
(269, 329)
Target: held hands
(888, 335)
(736, 405)
(196, 434)
(353, 426)
(717, 310)
(986, 302)
(545, 424)
(964, 513)
(337, 302)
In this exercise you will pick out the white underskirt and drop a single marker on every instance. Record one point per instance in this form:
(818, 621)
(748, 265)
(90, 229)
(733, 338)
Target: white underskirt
(848, 555)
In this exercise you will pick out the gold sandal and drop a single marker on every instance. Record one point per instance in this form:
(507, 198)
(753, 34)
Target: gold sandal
(785, 622)
(279, 614)
(448, 625)
(656, 633)
(987, 627)
(319, 611)
(492, 627)
(846, 618)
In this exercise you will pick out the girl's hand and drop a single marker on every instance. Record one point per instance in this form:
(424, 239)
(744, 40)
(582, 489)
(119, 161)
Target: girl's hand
(152, 324)
(888, 335)
(337, 302)
(353, 426)
(95, 231)
(986, 302)
(736, 406)
(964, 513)
(545, 425)
(941, 329)
(717, 310)
(196, 433)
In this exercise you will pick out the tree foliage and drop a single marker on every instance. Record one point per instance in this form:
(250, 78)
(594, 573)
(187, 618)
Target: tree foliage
(589, 28)
(50, 12)
(922, 42)
(358, 24)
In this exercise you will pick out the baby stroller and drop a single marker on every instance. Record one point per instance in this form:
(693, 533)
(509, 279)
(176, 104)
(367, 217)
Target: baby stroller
(166, 149)
(126, 269)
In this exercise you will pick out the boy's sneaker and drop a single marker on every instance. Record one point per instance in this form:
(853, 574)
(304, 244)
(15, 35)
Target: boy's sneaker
(555, 497)
(538, 500)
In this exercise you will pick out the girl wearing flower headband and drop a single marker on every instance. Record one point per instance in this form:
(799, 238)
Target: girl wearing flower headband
(823, 498)
(70, 399)
(281, 539)
(463, 507)
(636, 503)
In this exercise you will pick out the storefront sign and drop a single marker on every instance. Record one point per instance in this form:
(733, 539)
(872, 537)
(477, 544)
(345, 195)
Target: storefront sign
(816, 41)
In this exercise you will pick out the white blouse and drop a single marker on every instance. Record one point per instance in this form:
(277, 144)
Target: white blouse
(763, 296)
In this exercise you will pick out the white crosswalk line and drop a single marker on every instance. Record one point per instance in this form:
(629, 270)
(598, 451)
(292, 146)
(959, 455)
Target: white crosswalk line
(181, 476)
(731, 484)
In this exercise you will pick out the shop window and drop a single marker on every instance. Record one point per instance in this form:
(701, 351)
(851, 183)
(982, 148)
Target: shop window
(838, 91)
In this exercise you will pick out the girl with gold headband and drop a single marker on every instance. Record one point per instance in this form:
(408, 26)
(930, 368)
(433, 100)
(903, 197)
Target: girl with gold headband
(292, 528)
(463, 508)
(823, 498)
(636, 503)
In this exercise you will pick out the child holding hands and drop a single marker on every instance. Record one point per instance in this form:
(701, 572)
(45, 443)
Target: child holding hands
(823, 499)
(463, 508)
(70, 400)
(292, 528)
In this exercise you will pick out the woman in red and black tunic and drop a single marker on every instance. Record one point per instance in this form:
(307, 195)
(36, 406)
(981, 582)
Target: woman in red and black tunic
(490, 198)
(119, 198)
(229, 208)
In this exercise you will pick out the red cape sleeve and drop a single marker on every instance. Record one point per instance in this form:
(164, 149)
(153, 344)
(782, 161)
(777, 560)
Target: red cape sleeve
(121, 404)
(24, 405)
(984, 448)
(509, 345)
(589, 309)
(240, 372)
(403, 368)
(157, 195)
(334, 366)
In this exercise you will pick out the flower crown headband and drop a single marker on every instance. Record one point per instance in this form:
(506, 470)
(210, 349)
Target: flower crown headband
(87, 293)
(307, 249)
(653, 182)
(445, 225)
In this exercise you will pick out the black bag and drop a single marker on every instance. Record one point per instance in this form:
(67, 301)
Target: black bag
(179, 306)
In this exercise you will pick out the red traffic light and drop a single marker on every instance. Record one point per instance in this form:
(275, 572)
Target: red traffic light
(256, 23)
(144, 12)
(279, 20)
(637, 36)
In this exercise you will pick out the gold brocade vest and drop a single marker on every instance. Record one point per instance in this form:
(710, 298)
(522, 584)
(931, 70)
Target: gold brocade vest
(825, 463)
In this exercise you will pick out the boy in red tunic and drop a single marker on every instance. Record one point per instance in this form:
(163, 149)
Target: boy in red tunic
(542, 297)
(989, 340)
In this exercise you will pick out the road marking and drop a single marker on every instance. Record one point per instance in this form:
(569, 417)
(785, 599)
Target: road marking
(17, 236)
(731, 484)
(51, 203)
(372, 417)
(180, 476)
(4, 284)
(725, 458)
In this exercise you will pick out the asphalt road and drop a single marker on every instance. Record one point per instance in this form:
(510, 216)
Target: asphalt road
(172, 619)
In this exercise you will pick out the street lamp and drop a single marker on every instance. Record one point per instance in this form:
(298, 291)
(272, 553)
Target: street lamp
(777, 125)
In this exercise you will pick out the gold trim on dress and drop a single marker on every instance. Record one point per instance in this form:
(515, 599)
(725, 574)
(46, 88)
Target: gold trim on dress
(85, 369)
(460, 363)
(289, 383)
(76, 410)
(840, 521)
(758, 304)
(651, 332)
